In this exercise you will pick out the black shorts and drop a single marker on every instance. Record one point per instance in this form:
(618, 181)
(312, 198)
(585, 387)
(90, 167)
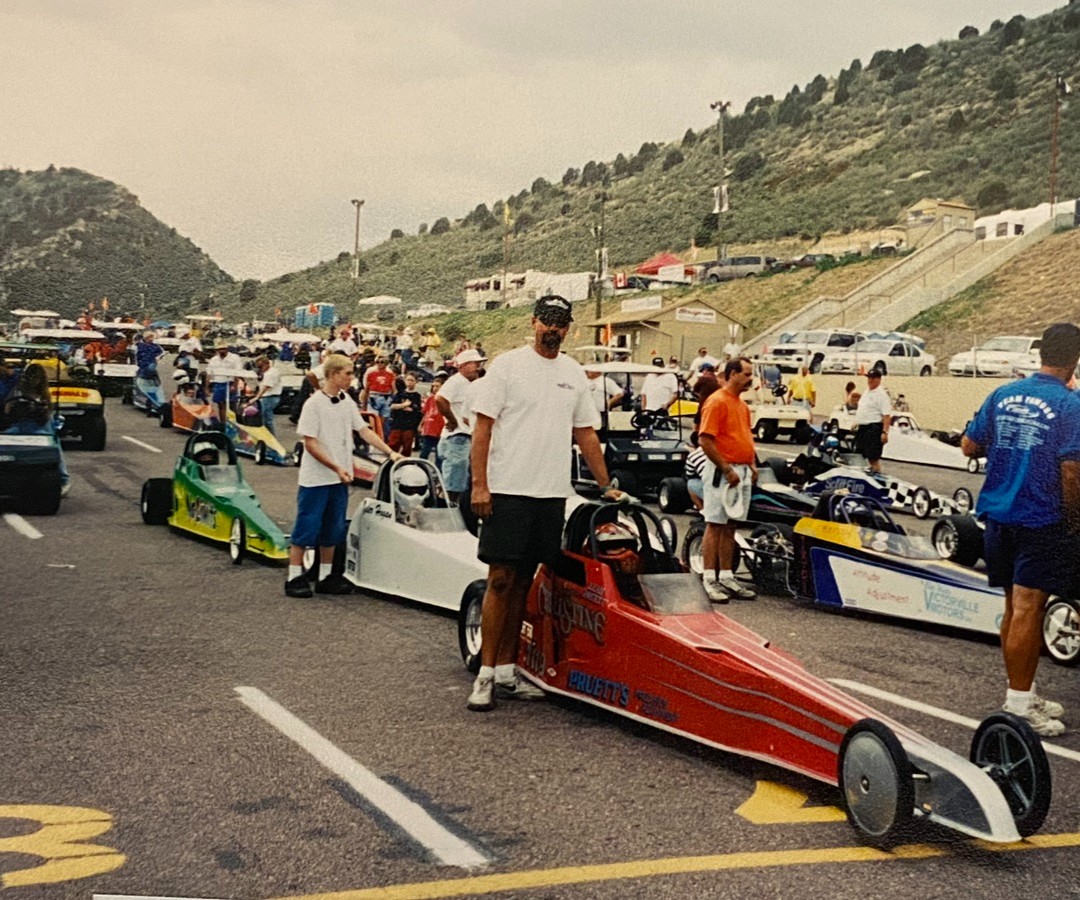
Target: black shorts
(868, 441)
(522, 531)
(1040, 558)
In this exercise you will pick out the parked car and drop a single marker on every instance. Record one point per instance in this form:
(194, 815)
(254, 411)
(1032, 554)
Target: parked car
(806, 261)
(808, 348)
(730, 268)
(891, 357)
(999, 357)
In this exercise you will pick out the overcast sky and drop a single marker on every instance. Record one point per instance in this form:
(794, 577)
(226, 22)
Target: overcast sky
(249, 125)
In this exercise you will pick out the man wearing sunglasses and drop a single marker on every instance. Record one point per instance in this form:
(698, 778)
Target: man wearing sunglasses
(533, 402)
(326, 426)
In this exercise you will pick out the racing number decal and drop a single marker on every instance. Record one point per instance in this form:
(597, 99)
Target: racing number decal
(61, 842)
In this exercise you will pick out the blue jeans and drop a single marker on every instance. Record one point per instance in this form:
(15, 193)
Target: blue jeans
(429, 446)
(267, 406)
(455, 451)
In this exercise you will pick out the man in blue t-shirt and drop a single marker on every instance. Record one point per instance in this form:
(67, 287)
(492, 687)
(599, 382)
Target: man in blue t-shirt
(1029, 432)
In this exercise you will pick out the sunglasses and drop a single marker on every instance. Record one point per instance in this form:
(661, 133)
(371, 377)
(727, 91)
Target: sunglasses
(413, 490)
(339, 397)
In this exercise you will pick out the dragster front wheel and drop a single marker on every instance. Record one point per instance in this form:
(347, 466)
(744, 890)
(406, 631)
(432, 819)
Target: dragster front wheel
(877, 782)
(472, 604)
(1010, 752)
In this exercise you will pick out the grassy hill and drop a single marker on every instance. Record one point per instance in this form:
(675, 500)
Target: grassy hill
(847, 151)
(68, 237)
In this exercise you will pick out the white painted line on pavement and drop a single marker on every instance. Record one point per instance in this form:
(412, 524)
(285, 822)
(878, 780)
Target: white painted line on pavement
(22, 526)
(139, 443)
(138, 897)
(937, 712)
(447, 847)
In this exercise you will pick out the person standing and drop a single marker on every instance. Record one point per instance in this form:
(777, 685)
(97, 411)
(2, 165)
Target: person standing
(406, 411)
(729, 473)
(326, 427)
(378, 389)
(1029, 432)
(529, 407)
(269, 394)
(606, 392)
(453, 402)
(222, 370)
(872, 418)
(801, 391)
(432, 422)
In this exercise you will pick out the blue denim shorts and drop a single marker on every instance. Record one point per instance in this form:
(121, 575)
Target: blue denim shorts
(220, 392)
(320, 516)
(454, 451)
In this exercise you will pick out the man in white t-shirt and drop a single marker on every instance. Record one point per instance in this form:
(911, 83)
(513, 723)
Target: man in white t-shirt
(872, 418)
(345, 345)
(455, 443)
(659, 389)
(269, 395)
(530, 406)
(605, 391)
(220, 374)
(701, 359)
(326, 426)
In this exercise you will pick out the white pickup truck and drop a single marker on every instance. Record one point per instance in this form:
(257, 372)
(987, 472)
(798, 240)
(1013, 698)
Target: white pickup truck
(807, 348)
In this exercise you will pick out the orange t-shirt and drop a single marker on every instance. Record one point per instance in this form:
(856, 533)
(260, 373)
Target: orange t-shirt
(727, 419)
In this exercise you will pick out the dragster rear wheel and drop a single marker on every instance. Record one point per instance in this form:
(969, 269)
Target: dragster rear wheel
(876, 779)
(1009, 751)
(472, 603)
(1061, 630)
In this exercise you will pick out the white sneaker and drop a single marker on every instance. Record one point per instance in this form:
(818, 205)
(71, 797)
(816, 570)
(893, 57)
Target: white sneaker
(735, 589)
(1042, 724)
(482, 697)
(714, 591)
(518, 689)
(1050, 708)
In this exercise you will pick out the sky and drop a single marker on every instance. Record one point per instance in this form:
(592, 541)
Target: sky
(251, 125)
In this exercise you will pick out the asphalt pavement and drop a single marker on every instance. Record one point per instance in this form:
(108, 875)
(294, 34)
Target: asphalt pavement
(175, 726)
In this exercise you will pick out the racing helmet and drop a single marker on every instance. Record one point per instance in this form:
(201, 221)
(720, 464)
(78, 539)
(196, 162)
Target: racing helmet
(410, 487)
(617, 545)
(831, 442)
(205, 453)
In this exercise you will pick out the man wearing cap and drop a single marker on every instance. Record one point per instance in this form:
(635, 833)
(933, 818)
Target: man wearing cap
(221, 371)
(872, 418)
(378, 388)
(659, 388)
(730, 471)
(455, 443)
(706, 382)
(702, 359)
(530, 407)
(1029, 432)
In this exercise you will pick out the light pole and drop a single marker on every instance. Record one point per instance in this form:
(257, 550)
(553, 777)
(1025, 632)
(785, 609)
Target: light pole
(356, 250)
(601, 263)
(720, 198)
(1061, 92)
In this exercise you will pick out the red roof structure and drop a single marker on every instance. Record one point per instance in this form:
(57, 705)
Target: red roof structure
(654, 265)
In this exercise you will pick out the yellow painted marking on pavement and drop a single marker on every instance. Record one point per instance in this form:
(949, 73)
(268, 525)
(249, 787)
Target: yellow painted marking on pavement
(776, 804)
(60, 842)
(650, 868)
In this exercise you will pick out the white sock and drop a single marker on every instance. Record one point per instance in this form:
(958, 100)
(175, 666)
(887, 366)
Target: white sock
(504, 673)
(708, 575)
(726, 573)
(1018, 701)
(486, 672)
(295, 572)
(324, 570)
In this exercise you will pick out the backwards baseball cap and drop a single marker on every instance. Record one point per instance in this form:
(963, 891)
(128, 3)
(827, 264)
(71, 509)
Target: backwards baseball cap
(553, 310)
(658, 361)
(468, 356)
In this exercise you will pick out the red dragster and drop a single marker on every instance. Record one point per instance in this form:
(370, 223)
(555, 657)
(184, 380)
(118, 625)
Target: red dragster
(617, 623)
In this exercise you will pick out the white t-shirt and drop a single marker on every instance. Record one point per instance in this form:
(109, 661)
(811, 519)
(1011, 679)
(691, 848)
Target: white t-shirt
(873, 406)
(191, 345)
(659, 390)
(271, 380)
(536, 403)
(333, 424)
(223, 369)
(346, 346)
(602, 390)
(458, 393)
(699, 361)
(404, 342)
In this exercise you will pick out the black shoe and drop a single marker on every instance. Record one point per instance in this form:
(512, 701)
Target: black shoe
(298, 587)
(334, 584)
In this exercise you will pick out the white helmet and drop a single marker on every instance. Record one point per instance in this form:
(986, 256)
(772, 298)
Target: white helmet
(410, 487)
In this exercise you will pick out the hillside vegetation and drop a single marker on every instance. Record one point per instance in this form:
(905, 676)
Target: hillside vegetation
(68, 237)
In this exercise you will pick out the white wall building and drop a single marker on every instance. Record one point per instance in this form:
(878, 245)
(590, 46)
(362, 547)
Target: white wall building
(1015, 222)
(525, 288)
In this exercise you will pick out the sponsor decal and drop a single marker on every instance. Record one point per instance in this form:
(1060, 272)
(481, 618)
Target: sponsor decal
(571, 616)
(614, 692)
(655, 707)
(534, 659)
(201, 511)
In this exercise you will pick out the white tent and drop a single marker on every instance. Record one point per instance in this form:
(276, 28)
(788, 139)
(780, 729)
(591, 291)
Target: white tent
(379, 300)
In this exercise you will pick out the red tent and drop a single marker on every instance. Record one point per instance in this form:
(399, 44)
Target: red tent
(654, 265)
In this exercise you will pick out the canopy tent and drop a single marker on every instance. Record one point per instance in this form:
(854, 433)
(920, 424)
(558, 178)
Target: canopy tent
(378, 300)
(62, 334)
(654, 265)
(293, 336)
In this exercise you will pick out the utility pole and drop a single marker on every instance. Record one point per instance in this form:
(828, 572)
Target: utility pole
(720, 193)
(506, 252)
(601, 264)
(1061, 90)
(356, 247)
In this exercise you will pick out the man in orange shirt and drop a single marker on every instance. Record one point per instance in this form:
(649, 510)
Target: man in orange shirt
(731, 470)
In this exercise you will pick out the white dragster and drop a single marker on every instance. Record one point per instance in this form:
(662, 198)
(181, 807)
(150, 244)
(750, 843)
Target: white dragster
(908, 442)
